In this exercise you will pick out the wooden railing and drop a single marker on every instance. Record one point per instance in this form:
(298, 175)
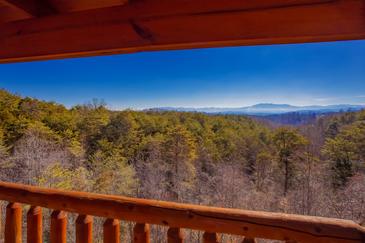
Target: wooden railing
(176, 216)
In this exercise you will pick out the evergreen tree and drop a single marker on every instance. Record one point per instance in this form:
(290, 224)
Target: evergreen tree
(179, 153)
(287, 142)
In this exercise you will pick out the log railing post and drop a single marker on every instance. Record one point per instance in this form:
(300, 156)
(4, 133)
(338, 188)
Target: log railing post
(84, 229)
(13, 223)
(1, 223)
(111, 230)
(210, 238)
(249, 240)
(174, 235)
(141, 233)
(58, 226)
(34, 225)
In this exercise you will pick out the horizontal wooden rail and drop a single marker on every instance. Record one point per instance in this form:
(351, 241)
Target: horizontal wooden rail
(176, 215)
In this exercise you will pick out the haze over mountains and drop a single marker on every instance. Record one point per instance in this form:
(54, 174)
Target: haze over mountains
(265, 109)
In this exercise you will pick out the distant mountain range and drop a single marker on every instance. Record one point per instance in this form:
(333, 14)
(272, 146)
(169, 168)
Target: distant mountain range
(267, 109)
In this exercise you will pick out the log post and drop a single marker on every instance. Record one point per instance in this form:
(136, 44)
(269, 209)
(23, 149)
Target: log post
(58, 226)
(13, 223)
(249, 240)
(210, 238)
(34, 225)
(141, 233)
(174, 235)
(1, 223)
(84, 229)
(111, 230)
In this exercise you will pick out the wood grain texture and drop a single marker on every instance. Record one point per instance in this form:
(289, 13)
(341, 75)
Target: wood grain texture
(111, 231)
(177, 24)
(13, 223)
(58, 226)
(34, 225)
(175, 235)
(252, 224)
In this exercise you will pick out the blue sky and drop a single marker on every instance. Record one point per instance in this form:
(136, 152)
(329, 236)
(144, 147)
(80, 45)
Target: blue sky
(300, 74)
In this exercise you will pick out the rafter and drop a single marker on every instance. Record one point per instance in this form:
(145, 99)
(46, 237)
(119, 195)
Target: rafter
(177, 24)
(35, 8)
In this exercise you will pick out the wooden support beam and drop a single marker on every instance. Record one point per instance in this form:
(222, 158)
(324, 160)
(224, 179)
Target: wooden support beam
(9, 14)
(65, 6)
(35, 8)
(177, 24)
(276, 226)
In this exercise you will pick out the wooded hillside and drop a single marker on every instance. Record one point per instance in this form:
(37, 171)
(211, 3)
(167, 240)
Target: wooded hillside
(228, 161)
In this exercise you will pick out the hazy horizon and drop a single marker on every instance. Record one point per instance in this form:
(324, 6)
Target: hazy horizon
(183, 107)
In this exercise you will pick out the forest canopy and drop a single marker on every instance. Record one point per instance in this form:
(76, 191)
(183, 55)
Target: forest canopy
(221, 160)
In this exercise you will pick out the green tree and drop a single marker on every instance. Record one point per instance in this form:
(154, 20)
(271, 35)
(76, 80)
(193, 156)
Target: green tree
(111, 173)
(332, 129)
(288, 142)
(61, 177)
(179, 151)
(91, 118)
(5, 162)
(346, 152)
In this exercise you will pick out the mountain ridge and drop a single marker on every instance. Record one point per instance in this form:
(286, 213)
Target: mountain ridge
(266, 109)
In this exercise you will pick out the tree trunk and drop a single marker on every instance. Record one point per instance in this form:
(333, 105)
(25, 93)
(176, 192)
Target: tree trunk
(286, 162)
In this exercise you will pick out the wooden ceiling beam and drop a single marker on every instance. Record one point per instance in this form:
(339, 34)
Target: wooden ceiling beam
(35, 8)
(181, 24)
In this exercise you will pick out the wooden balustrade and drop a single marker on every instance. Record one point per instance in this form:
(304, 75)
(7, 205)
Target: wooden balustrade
(176, 216)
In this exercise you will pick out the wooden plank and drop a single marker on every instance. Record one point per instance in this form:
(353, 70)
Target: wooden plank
(111, 231)
(251, 224)
(167, 25)
(175, 235)
(141, 233)
(13, 223)
(210, 237)
(35, 8)
(84, 229)
(58, 226)
(34, 225)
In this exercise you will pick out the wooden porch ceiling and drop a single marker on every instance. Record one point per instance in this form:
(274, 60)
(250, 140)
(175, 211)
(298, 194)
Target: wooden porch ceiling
(50, 29)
